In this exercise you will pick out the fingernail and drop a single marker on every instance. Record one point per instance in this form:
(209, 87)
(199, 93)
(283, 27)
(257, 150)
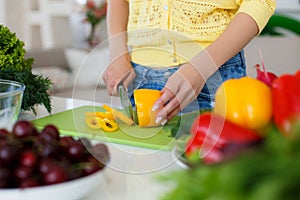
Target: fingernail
(158, 120)
(155, 108)
(164, 122)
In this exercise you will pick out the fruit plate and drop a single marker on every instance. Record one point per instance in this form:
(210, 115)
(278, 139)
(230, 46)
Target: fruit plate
(71, 190)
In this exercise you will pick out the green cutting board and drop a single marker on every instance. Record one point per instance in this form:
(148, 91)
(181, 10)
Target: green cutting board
(72, 122)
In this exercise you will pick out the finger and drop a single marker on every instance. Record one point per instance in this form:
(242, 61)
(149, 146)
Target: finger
(166, 96)
(168, 111)
(174, 113)
(111, 89)
(110, 84)
(124, 80)
(171, 105)
(115, 91)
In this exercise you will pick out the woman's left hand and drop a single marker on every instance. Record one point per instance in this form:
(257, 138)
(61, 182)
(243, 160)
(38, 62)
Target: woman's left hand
(185, 84)
(181, 89)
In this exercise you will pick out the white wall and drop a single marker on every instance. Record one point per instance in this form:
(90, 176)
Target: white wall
(2, 12)
(289, 7)
(15, 19)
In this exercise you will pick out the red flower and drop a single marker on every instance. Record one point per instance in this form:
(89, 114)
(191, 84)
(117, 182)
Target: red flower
(90, 4)
(95, 14)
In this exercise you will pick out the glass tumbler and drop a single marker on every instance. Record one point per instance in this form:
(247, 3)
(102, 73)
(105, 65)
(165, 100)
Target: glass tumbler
(11, 95)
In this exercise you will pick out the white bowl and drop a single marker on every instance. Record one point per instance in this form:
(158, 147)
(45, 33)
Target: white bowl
(70, 190)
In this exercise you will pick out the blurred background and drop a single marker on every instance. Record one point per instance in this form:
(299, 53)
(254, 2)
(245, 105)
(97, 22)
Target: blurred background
(49, 23)
(59, 23)
(55, 34)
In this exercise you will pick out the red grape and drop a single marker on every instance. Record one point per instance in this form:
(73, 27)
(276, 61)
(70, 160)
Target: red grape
(8, 153)
(65, 141)
(22, 172)
(23, 128)
(52, 131)
(56, 174)
(46, 164)
(75, 151)
(48, 150)
(30, 158)
(45, 137)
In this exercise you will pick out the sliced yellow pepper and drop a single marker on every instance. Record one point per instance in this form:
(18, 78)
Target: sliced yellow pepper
(108, 115)
(105, 124)
(92, 122)
(108, 124)
(118, 115)
(245, 101)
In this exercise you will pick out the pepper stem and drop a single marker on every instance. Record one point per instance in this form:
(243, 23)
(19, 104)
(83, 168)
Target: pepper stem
(263, 65)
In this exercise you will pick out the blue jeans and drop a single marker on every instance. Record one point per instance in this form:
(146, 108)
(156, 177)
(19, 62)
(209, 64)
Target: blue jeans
(152, 78)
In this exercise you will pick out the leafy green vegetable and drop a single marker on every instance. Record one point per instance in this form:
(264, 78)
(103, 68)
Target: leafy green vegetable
(14, 66)
(270, 172)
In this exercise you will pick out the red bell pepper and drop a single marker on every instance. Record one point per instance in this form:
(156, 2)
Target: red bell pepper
(214, 138)
(286, 101)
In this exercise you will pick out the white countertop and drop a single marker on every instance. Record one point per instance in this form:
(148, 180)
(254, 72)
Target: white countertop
(132, 172)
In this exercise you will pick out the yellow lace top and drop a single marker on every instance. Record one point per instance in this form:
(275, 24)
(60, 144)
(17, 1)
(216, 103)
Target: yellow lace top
(170, 32)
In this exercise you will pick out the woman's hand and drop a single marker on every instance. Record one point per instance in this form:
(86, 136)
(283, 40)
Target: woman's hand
(119, 71)
(181, 89)
(188, 81)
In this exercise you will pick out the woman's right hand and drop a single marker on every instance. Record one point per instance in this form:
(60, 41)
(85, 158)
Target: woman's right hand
(119, 71)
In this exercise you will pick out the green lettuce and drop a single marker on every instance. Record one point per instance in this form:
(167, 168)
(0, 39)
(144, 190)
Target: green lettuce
(14, 66)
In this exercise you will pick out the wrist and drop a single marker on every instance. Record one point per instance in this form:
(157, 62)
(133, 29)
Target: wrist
(118, 47)
(204, 64)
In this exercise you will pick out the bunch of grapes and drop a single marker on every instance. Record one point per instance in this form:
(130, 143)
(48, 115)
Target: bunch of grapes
(30, 158)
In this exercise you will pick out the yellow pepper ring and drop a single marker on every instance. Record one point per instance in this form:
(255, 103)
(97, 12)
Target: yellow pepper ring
(108, 115)
(144, 101)
(92, 122)
(108, 124)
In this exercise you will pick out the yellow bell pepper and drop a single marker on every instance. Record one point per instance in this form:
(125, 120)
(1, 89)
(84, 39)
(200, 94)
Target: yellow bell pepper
(144, 100)
(245, 101)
